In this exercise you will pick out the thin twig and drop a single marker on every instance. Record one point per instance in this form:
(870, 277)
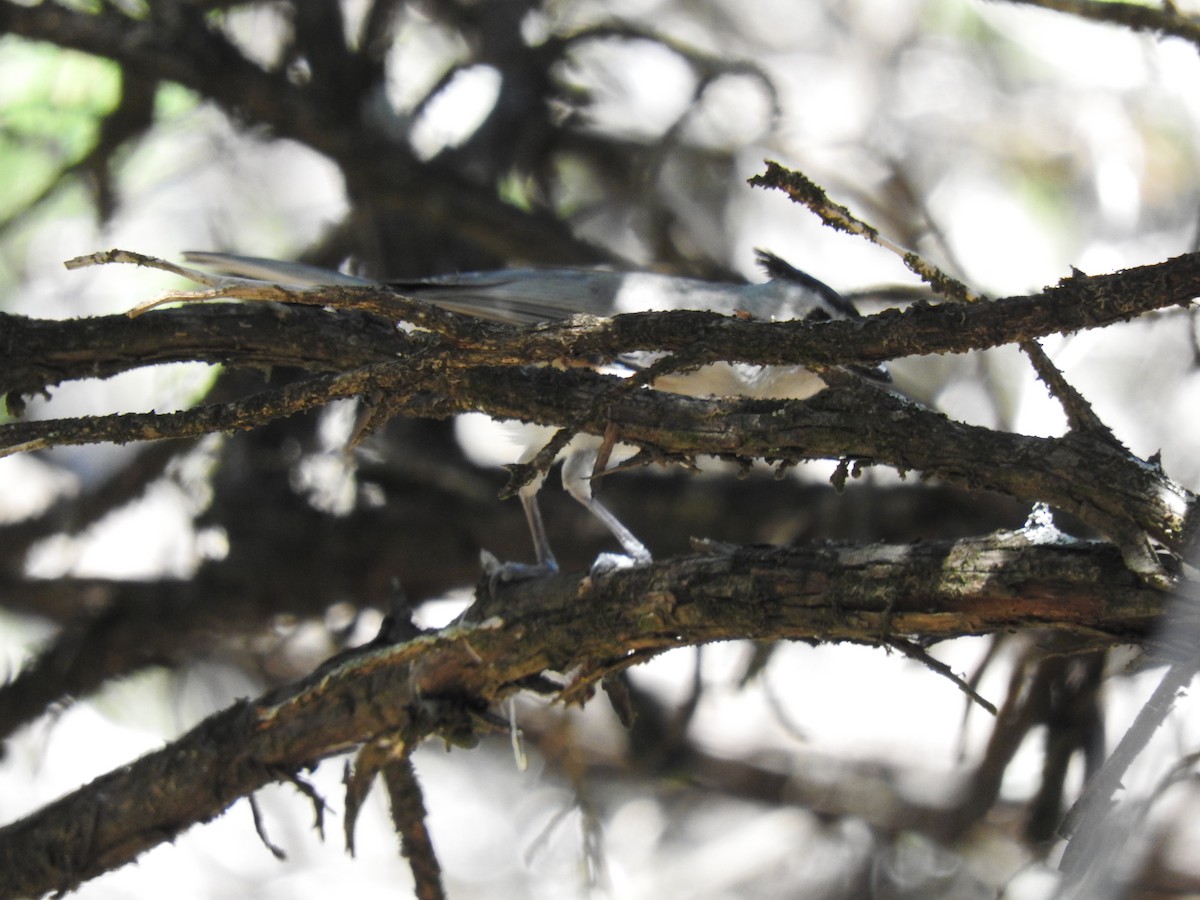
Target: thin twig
(1097, 796)
(799, 188)
(260, 829)
(804, 191)
(409, 818)
(912, 651)
(376, 299)
(1080, 415)
(1162, 20)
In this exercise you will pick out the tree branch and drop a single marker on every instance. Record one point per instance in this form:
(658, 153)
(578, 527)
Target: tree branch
(102, 346)
(566, 623)
(1164, 20)
(470, 365)
(41, 353)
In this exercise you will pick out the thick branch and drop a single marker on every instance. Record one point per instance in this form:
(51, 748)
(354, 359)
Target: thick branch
(1094, 480)
(41, 353)
(1113, 492)
(863, 594)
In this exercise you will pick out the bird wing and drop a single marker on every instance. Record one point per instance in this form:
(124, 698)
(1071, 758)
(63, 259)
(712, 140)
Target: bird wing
(520, 296)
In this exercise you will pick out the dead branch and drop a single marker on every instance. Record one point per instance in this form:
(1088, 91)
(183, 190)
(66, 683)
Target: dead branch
(568, 624)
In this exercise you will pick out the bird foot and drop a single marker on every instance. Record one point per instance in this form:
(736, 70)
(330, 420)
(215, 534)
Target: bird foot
(497, 571)
(613, 562)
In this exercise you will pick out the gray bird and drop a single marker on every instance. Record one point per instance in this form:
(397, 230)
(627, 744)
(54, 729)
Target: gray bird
(531, 295)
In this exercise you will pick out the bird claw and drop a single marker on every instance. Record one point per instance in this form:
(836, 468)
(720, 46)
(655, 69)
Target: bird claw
(497, 571)
(613, 562)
